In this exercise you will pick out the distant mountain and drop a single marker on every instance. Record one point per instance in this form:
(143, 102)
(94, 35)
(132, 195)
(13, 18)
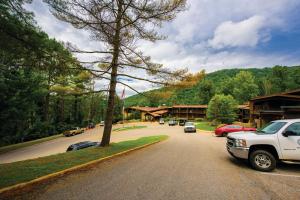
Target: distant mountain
(277, 79)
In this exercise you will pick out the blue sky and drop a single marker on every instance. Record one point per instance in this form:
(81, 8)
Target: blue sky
(210, 35)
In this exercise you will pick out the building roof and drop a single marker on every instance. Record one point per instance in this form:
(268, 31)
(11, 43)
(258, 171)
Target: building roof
(189, 106)
(290, 94)
(281, 95)
(293, 92)
(158, 113)
(147, 109)
(245, 107)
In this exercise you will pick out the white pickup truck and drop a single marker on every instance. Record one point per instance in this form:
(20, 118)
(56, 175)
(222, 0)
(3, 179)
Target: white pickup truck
(278, 141)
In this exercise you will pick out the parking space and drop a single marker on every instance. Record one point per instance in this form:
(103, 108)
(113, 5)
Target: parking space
(186, 166)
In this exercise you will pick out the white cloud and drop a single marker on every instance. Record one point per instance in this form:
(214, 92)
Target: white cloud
(246, 33)
(191, 36)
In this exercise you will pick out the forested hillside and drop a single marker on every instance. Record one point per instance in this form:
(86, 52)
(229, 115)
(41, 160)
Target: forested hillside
(242, 84)
(43, 89)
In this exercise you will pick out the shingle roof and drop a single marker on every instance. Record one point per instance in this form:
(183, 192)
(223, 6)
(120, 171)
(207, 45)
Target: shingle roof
(189, 106)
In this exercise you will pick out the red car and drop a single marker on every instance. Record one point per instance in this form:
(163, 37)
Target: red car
(224, 130)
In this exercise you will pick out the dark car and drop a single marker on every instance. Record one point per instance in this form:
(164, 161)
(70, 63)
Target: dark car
(81, 145)
(224, 130)
(91, 125)
(182, 122)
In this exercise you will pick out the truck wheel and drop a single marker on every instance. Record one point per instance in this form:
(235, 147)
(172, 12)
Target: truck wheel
(262, 160)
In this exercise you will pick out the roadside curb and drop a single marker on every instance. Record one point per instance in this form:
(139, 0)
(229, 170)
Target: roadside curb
(23, 185)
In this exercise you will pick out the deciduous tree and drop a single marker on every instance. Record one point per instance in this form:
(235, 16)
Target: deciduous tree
(222, 108)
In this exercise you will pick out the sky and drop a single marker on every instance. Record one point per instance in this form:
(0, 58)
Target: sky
(209, 35)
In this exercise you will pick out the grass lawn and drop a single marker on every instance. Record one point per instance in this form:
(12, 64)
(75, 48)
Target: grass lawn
(204, 126)
(23, 171)
(128, 128)
(12, 147)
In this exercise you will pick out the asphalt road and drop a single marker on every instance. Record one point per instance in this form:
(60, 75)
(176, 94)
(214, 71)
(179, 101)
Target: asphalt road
(60, 145)
(186, 166)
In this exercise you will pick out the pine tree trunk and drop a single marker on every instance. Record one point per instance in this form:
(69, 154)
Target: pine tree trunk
(113, 82)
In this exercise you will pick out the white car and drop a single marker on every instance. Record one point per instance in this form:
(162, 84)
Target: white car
(102, 123)
(278, 141)
(189, 127)
(161, 121)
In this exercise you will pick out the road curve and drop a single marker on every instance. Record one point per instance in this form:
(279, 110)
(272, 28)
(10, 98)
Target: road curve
(186, 166)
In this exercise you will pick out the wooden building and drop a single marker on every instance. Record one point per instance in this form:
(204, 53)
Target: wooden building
(284, 105)
(146, 113)
(188, 111)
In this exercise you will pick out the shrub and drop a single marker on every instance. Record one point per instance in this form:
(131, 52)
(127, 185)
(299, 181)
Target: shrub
(199, 119)
(222, 109)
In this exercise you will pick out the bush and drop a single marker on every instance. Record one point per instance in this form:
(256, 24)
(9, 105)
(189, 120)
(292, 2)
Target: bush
(222, 109)
(199, 119)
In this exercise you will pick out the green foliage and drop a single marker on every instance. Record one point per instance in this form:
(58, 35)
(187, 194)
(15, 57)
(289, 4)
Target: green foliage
(245, 87)
(242, 84)
(205, 91)
(126, 128)
(206, 126)
(23, 171)
(222, 108)
(43, 92)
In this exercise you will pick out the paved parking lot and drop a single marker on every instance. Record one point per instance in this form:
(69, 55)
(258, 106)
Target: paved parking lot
(186, 166)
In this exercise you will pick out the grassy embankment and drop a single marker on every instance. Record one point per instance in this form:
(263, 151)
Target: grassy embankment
(126, 128)
(205, 126)
(12, 147)
(23, 171)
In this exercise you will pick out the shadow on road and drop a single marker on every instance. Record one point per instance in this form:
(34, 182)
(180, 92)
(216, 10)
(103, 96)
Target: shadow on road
(238, 162)
(287, 167)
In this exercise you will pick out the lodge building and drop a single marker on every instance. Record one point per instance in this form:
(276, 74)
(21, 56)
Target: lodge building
(284, 105)
(258, 112)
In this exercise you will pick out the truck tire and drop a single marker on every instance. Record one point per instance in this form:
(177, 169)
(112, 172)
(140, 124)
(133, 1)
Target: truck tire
(262, 160)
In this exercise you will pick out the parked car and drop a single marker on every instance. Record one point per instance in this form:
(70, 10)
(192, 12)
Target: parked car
(161, 121)
(75, 131)
(182, 122)
(278, 141)
(90, 125)
(172, 122)
(189, 127)
(81, 145)
(224, 130)
(102, 123)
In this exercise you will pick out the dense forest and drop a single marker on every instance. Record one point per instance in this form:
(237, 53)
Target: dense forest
(44, 90)
(242, 84)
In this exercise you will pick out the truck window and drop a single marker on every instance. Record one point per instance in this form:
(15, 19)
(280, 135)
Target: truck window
(272, 128)
(295, 127)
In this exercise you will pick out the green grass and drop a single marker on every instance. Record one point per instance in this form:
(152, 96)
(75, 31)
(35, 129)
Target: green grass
(204, 126)
(129, 128)
(12, 147)
(23, 171)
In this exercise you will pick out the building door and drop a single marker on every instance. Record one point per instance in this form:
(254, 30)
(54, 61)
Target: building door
(290, 146)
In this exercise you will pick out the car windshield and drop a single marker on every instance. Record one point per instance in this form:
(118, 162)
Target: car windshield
(271, 128)
(189, 123)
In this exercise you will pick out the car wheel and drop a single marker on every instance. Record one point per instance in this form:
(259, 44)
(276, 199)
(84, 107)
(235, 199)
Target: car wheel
(262, 160)
(224, 134)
